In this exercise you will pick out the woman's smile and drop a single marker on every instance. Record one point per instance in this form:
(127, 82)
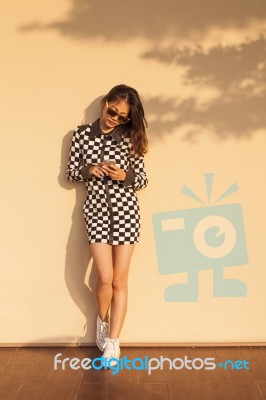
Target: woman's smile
(112, 122)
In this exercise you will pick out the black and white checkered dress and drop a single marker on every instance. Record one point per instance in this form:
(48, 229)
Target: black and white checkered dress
(111, 209)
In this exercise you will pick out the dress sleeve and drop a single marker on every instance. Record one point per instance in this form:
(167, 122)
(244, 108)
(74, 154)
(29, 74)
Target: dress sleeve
(136, 175)
(75, 163)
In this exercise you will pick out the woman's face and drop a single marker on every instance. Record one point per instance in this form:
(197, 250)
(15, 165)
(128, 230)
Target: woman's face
(121, 107)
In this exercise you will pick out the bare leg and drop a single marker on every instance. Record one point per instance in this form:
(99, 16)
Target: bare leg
(102, 258)
(121, 261)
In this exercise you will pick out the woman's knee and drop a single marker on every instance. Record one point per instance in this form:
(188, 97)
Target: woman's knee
(119, 283)
(105, 279)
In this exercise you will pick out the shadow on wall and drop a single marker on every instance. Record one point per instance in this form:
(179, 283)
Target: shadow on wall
(80, 274)
(150, 19)
(238, 76)
(217, 50)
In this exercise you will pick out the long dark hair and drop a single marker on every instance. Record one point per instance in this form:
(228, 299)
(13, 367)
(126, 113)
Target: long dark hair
(135, 127)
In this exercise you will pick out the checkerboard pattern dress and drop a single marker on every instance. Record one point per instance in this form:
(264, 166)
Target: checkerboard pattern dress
(111, 209)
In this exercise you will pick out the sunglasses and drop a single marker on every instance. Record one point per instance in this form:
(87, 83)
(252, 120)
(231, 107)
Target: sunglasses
(112, 113)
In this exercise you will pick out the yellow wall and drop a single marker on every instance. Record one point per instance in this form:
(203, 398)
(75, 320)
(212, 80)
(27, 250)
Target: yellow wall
(200, 69)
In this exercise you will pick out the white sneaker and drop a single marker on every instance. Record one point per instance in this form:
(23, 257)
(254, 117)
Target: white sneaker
(111, 350)
(102, 332)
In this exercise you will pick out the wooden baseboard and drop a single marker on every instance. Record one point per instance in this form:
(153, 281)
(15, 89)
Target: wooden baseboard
(158, 344)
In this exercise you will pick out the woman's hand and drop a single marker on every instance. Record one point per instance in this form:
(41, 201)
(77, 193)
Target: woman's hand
(96, 170)
(114, 172)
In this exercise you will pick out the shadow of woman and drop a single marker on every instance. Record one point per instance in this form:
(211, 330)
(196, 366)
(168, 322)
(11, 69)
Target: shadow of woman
(80, 276)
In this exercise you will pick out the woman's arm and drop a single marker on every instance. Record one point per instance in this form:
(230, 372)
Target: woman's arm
(136, 174)
(76, 171)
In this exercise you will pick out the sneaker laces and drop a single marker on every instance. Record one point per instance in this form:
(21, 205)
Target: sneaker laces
(103, 329)
(110, 347)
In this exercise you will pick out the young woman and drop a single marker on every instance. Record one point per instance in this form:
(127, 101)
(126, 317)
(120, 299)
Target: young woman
(109, 156)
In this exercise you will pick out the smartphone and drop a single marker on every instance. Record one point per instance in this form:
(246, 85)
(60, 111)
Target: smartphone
(108, 162)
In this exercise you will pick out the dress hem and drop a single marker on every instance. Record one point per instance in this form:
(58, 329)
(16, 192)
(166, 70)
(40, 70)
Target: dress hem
(114, 242)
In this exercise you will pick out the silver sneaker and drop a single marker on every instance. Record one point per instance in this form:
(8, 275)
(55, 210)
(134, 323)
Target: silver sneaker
(111, 350)
(102, 332)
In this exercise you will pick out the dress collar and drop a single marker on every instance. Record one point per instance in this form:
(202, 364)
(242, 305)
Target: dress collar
(116, 133)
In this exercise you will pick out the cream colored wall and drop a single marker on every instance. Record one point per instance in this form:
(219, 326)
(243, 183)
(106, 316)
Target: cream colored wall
(201, 75)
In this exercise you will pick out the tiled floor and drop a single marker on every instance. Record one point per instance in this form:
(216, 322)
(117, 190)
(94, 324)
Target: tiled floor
(29, 374)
